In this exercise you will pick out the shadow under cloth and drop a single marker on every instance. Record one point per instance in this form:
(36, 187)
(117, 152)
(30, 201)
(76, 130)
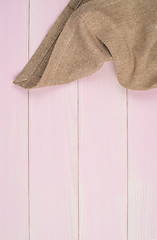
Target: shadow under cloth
(88, 33)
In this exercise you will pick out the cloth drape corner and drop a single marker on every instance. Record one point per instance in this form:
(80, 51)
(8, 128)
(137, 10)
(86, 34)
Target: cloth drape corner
(88, 33)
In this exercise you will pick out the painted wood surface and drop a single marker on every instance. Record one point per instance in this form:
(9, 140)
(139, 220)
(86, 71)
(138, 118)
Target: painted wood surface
(77, 161)
(142, 156)
(102, 156)
(53, 145)
(13, 122)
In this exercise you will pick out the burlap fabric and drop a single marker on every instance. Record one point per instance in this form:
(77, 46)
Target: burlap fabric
(90, 32)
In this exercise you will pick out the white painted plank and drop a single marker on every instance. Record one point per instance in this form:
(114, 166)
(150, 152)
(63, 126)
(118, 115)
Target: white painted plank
(142, 176)
(53, 144)
(13, 122)
(102, 156)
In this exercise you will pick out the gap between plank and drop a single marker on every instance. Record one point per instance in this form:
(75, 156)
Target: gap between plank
(78, 149)
(127, 162)
(28, 98)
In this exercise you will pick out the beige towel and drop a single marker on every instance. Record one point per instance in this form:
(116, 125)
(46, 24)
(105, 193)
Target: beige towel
(90, 32)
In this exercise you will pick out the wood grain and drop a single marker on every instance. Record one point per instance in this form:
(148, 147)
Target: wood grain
(13, 122)
(103, 156)
(53, 145)
(142, 156)
(77, 161)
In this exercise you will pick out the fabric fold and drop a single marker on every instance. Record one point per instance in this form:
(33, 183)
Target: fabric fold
(34, 68)
(89, 33)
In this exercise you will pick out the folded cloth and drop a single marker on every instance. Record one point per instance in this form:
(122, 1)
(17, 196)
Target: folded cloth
(90, 32)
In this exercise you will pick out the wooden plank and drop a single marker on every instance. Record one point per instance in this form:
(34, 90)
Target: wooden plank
(142, 153)
(102, 156)
(53, 144)
(13, 122)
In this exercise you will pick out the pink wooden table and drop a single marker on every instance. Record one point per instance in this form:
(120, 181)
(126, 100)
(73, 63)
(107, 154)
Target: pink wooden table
(77, 161)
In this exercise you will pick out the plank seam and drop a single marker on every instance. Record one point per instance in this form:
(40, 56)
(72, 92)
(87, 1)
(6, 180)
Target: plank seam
(28, 37)
(127, 161)
(78, 157)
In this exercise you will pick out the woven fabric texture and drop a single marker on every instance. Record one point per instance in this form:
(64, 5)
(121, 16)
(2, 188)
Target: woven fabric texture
(90, 32)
